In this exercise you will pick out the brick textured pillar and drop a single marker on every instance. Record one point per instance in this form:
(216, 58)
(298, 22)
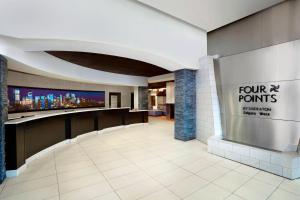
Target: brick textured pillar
(143, 98)
(3, 114)
(185, 104)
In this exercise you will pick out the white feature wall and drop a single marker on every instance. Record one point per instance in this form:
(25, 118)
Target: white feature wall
(208, 120)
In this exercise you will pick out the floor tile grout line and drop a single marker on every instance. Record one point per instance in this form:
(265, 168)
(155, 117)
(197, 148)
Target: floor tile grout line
(114, 168)
(117, 168)
(78, 169)
(285, 179)
(124, 157)
(232, 192)
(22, 182)
(59, 195)
(149, 176)
(277, 187)
(183, 168)
(193, 174)
(280, 188)
(62, 172)
(5, 182)
(231, 170)
(242, 198)
(196, 174)
(251, 178)
(29, 190)
(209, 182)
(167, 187)
(167, 159)
(25, 181)
(212, 181)
(237, 196)
(80, 177)
(70, 180)
(154, 177)
(172, 163)
(78, 143)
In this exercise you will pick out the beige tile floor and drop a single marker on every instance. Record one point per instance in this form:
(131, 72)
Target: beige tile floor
(143, 162)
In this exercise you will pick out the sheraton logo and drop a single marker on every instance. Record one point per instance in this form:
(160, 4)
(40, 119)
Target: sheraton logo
(258, 93)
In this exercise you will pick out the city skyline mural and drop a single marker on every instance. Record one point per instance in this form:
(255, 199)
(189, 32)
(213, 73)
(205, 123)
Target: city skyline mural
(24, 99)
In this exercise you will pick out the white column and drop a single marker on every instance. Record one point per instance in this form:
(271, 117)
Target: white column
(208, 119)
(136, 97)
(170, 93)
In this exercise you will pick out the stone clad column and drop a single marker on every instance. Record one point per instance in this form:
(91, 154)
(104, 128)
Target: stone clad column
(185, 104)
(3, 114)
(143, 98)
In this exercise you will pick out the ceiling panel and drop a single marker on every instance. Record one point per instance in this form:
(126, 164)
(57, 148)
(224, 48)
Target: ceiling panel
(210, 14)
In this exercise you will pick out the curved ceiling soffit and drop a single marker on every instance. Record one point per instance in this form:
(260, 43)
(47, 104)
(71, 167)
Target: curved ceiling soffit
(41, 63)
(106, 48)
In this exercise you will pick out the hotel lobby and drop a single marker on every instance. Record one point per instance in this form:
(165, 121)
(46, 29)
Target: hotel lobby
(150, 100)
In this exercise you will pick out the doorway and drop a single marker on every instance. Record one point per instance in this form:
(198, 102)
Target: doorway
(132, 101)
(114, 99)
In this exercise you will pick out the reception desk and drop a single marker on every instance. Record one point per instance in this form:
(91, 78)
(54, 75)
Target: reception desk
(28, 136)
